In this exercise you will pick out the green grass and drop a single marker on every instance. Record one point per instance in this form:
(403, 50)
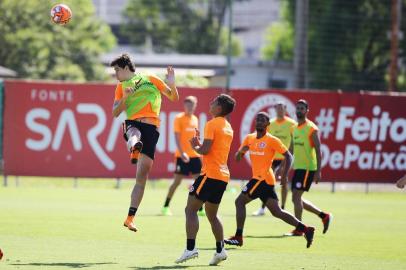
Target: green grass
(55, 226)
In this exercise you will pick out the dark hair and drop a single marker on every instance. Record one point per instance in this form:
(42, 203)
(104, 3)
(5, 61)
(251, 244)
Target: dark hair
(123, 61)
(226, 103)
(264, 114)
(303, 102)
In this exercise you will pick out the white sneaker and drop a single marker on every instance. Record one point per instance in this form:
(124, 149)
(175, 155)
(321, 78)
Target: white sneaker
(219, 257)
(259, 212)
(187, 255)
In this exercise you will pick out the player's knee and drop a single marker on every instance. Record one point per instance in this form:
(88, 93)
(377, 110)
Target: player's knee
(239, 202)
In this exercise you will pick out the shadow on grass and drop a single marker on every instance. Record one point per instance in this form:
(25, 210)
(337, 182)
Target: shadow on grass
(70, 265)
(267, 236)
(176, 266)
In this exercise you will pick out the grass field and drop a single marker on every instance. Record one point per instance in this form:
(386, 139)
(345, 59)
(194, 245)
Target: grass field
(56, 226)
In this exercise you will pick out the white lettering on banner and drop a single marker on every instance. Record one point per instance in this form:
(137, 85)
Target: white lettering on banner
(67, 123)
(44, 131)
(52, 95)
(95, 131)
(363, 129)
(161, 145)
(172, 143)
(115, 130)
(67, 119)
(365, 160)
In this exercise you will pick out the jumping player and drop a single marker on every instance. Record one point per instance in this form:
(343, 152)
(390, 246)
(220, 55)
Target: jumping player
(139, 96)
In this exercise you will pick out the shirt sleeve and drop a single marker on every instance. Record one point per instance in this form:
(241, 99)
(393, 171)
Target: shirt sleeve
(176, 125)
(278, 146)
(159, 84)
(209, 130)
(118, 94)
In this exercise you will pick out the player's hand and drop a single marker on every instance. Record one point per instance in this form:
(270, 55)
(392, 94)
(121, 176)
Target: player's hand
(197, 133)
(317, 177)
(194, 142)
(170, 76)
(185, 157)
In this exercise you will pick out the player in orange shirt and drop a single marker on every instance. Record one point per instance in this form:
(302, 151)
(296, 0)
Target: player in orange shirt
(209, 187)
(187, 160)
(262, 147)
(139, 96)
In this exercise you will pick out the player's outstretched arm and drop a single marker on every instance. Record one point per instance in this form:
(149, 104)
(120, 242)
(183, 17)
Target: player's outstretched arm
(171, 92)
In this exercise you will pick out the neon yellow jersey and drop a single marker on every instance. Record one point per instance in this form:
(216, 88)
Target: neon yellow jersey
(146, 99)
(282, 129)
(145, 92)
(303, 149)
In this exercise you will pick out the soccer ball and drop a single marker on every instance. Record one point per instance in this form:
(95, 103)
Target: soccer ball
(61, 14)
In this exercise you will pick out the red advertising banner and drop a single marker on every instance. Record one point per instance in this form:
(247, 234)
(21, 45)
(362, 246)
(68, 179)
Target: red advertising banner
(64, 129)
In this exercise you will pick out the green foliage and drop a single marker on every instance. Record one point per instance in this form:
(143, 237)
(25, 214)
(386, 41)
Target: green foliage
(279, 37)
(184, 26)
(348, 44)
(192, 81)
(37, 48)
(279, 42)
(236, 46)
(349, 47)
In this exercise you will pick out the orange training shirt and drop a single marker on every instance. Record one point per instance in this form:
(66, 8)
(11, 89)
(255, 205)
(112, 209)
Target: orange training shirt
(147, 110)
(262, 152)
(186, 125)
(221, 133)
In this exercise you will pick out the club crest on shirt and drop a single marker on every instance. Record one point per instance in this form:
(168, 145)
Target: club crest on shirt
(262, 145)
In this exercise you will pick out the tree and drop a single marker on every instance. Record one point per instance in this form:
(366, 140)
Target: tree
(36, 48)
(184, 26)
(349, 47)
(279, 38)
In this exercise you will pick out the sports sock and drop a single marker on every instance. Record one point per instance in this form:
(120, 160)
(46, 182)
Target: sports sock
(219, 246)
(263, 206)
(190, 244)
(322, 215)
(168, 200)
(300, 227)
(238, 232)
(132, 211)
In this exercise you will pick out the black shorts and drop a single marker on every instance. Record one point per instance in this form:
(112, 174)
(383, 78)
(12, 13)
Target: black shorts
(208, 189)
(259, 189)
(276, 164)
(149, 136)
(194, 166)
(302, 179)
